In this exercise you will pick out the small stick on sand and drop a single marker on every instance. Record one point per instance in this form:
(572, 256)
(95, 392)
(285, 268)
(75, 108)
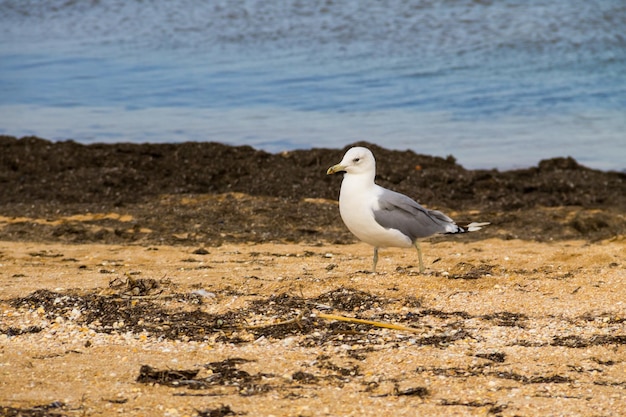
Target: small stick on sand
(368, 322)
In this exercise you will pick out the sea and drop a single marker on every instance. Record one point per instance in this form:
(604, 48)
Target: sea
(495, 83)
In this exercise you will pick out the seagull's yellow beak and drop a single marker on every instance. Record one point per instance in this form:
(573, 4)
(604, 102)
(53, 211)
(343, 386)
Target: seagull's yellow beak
(335, 168)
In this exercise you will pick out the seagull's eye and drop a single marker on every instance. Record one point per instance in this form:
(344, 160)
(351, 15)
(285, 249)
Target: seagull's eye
(356, 160)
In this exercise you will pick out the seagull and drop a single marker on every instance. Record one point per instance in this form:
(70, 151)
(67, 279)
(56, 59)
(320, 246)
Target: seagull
(385, 218)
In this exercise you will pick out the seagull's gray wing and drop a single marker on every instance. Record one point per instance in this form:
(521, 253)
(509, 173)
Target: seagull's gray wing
(400, 212)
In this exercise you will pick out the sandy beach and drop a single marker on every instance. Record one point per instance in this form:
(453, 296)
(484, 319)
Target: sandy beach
(191, 289)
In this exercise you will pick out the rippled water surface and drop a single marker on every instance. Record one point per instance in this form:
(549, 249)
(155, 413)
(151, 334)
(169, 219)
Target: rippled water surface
(496, 84)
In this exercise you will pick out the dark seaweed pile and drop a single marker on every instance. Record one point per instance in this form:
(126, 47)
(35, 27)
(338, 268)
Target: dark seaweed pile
(557, 199)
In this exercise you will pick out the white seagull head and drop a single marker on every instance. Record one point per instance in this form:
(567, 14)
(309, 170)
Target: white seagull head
(357, 160)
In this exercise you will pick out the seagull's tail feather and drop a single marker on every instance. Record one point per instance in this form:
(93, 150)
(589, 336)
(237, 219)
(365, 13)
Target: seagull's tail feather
(474, 226)
(453, 228)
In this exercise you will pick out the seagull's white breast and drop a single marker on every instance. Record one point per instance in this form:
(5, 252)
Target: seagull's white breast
(358, 200)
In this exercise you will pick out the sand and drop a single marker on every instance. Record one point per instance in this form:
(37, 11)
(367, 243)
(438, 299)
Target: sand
(497, 327)
(200, 279)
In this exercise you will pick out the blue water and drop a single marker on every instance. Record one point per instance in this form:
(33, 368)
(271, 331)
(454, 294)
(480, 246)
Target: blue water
(497, 84)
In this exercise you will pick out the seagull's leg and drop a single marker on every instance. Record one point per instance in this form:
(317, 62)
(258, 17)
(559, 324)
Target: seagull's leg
(419, 255)
(375, 259)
